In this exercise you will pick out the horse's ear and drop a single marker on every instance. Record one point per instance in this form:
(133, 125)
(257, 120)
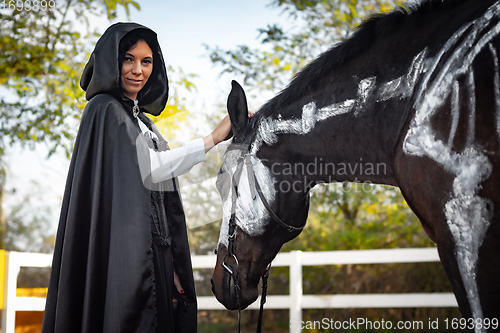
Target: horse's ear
(238, 111)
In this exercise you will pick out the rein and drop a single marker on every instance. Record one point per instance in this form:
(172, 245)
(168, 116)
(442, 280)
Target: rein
(245, 159)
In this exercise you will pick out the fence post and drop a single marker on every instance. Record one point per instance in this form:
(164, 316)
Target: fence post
(295, 291)
(12, 269)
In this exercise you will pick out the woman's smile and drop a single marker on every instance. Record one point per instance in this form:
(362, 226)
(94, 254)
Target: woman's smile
(133, 81)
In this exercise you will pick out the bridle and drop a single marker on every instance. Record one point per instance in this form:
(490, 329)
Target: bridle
(245, 159)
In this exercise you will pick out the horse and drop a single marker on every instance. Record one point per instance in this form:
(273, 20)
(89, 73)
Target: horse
(416, 92)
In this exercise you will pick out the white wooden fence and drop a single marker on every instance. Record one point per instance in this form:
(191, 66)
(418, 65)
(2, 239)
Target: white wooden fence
(13, 303)
(295, 301)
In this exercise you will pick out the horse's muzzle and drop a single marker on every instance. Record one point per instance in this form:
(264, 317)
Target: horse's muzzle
(223, 288)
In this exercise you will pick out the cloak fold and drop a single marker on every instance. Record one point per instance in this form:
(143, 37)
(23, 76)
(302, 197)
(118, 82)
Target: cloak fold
(103, 277)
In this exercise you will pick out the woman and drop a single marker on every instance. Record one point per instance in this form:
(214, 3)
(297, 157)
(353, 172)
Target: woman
(121, 240)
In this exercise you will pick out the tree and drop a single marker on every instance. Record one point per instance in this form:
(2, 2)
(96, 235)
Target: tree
(321, 24)
(28, 226)
(42, 54)
(43, 51)
(175, 112)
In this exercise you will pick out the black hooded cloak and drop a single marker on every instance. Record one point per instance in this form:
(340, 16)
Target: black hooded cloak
(118, 241)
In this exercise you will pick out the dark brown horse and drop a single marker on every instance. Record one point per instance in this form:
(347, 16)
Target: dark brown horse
(411, 100)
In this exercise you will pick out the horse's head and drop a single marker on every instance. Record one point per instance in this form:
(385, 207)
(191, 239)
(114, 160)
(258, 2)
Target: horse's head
(259, 215)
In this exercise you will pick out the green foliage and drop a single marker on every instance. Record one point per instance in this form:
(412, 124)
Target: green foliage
(175, 111)
(111, 6)
(352, 216)
(42, 55)
(284, 53)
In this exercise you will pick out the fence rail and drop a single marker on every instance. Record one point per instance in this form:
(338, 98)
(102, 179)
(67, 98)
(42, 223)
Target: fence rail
(295, 301)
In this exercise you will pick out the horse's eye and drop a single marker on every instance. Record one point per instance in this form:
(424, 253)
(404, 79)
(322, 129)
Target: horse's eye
(215, 251)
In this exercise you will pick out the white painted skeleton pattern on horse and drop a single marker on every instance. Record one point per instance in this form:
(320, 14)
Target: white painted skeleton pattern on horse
(250, 213)
(467, 214)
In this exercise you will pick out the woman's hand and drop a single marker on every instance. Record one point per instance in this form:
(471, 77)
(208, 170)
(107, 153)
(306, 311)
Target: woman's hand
(178, 285)
(221, 133)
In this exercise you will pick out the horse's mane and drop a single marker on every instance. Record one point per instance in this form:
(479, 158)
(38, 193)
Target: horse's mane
(311, 76)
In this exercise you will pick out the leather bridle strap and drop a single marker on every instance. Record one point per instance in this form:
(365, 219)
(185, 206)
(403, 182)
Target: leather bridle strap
(254, 186)
(233, 271)
(231, 240)
(263, 297)
(289, 228)
(253, 183)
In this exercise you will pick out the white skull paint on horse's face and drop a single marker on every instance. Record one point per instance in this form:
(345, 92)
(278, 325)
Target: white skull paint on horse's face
(251, 214)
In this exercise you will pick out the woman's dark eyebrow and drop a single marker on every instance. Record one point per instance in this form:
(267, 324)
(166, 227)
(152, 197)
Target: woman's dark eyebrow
(131, 55)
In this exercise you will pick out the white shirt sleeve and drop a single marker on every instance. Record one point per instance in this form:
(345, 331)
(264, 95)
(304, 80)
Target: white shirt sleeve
(178, 161)
(172, 163)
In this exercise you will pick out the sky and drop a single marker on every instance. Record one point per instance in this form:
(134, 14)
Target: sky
(183, 27)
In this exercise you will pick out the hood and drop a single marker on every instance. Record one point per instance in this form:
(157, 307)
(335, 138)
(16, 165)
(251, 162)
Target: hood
(102, 72)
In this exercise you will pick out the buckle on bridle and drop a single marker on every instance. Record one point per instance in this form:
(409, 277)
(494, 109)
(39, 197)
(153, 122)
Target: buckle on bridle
(227, 267)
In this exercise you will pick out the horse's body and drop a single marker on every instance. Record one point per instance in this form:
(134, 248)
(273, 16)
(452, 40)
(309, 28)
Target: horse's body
(411, 100)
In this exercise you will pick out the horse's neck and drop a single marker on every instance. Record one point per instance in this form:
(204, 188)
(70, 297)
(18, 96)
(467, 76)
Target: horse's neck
(349, 127)
(347, 131)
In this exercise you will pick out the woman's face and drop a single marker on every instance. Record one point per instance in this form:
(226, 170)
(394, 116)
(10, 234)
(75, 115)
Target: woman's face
(136, 68)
